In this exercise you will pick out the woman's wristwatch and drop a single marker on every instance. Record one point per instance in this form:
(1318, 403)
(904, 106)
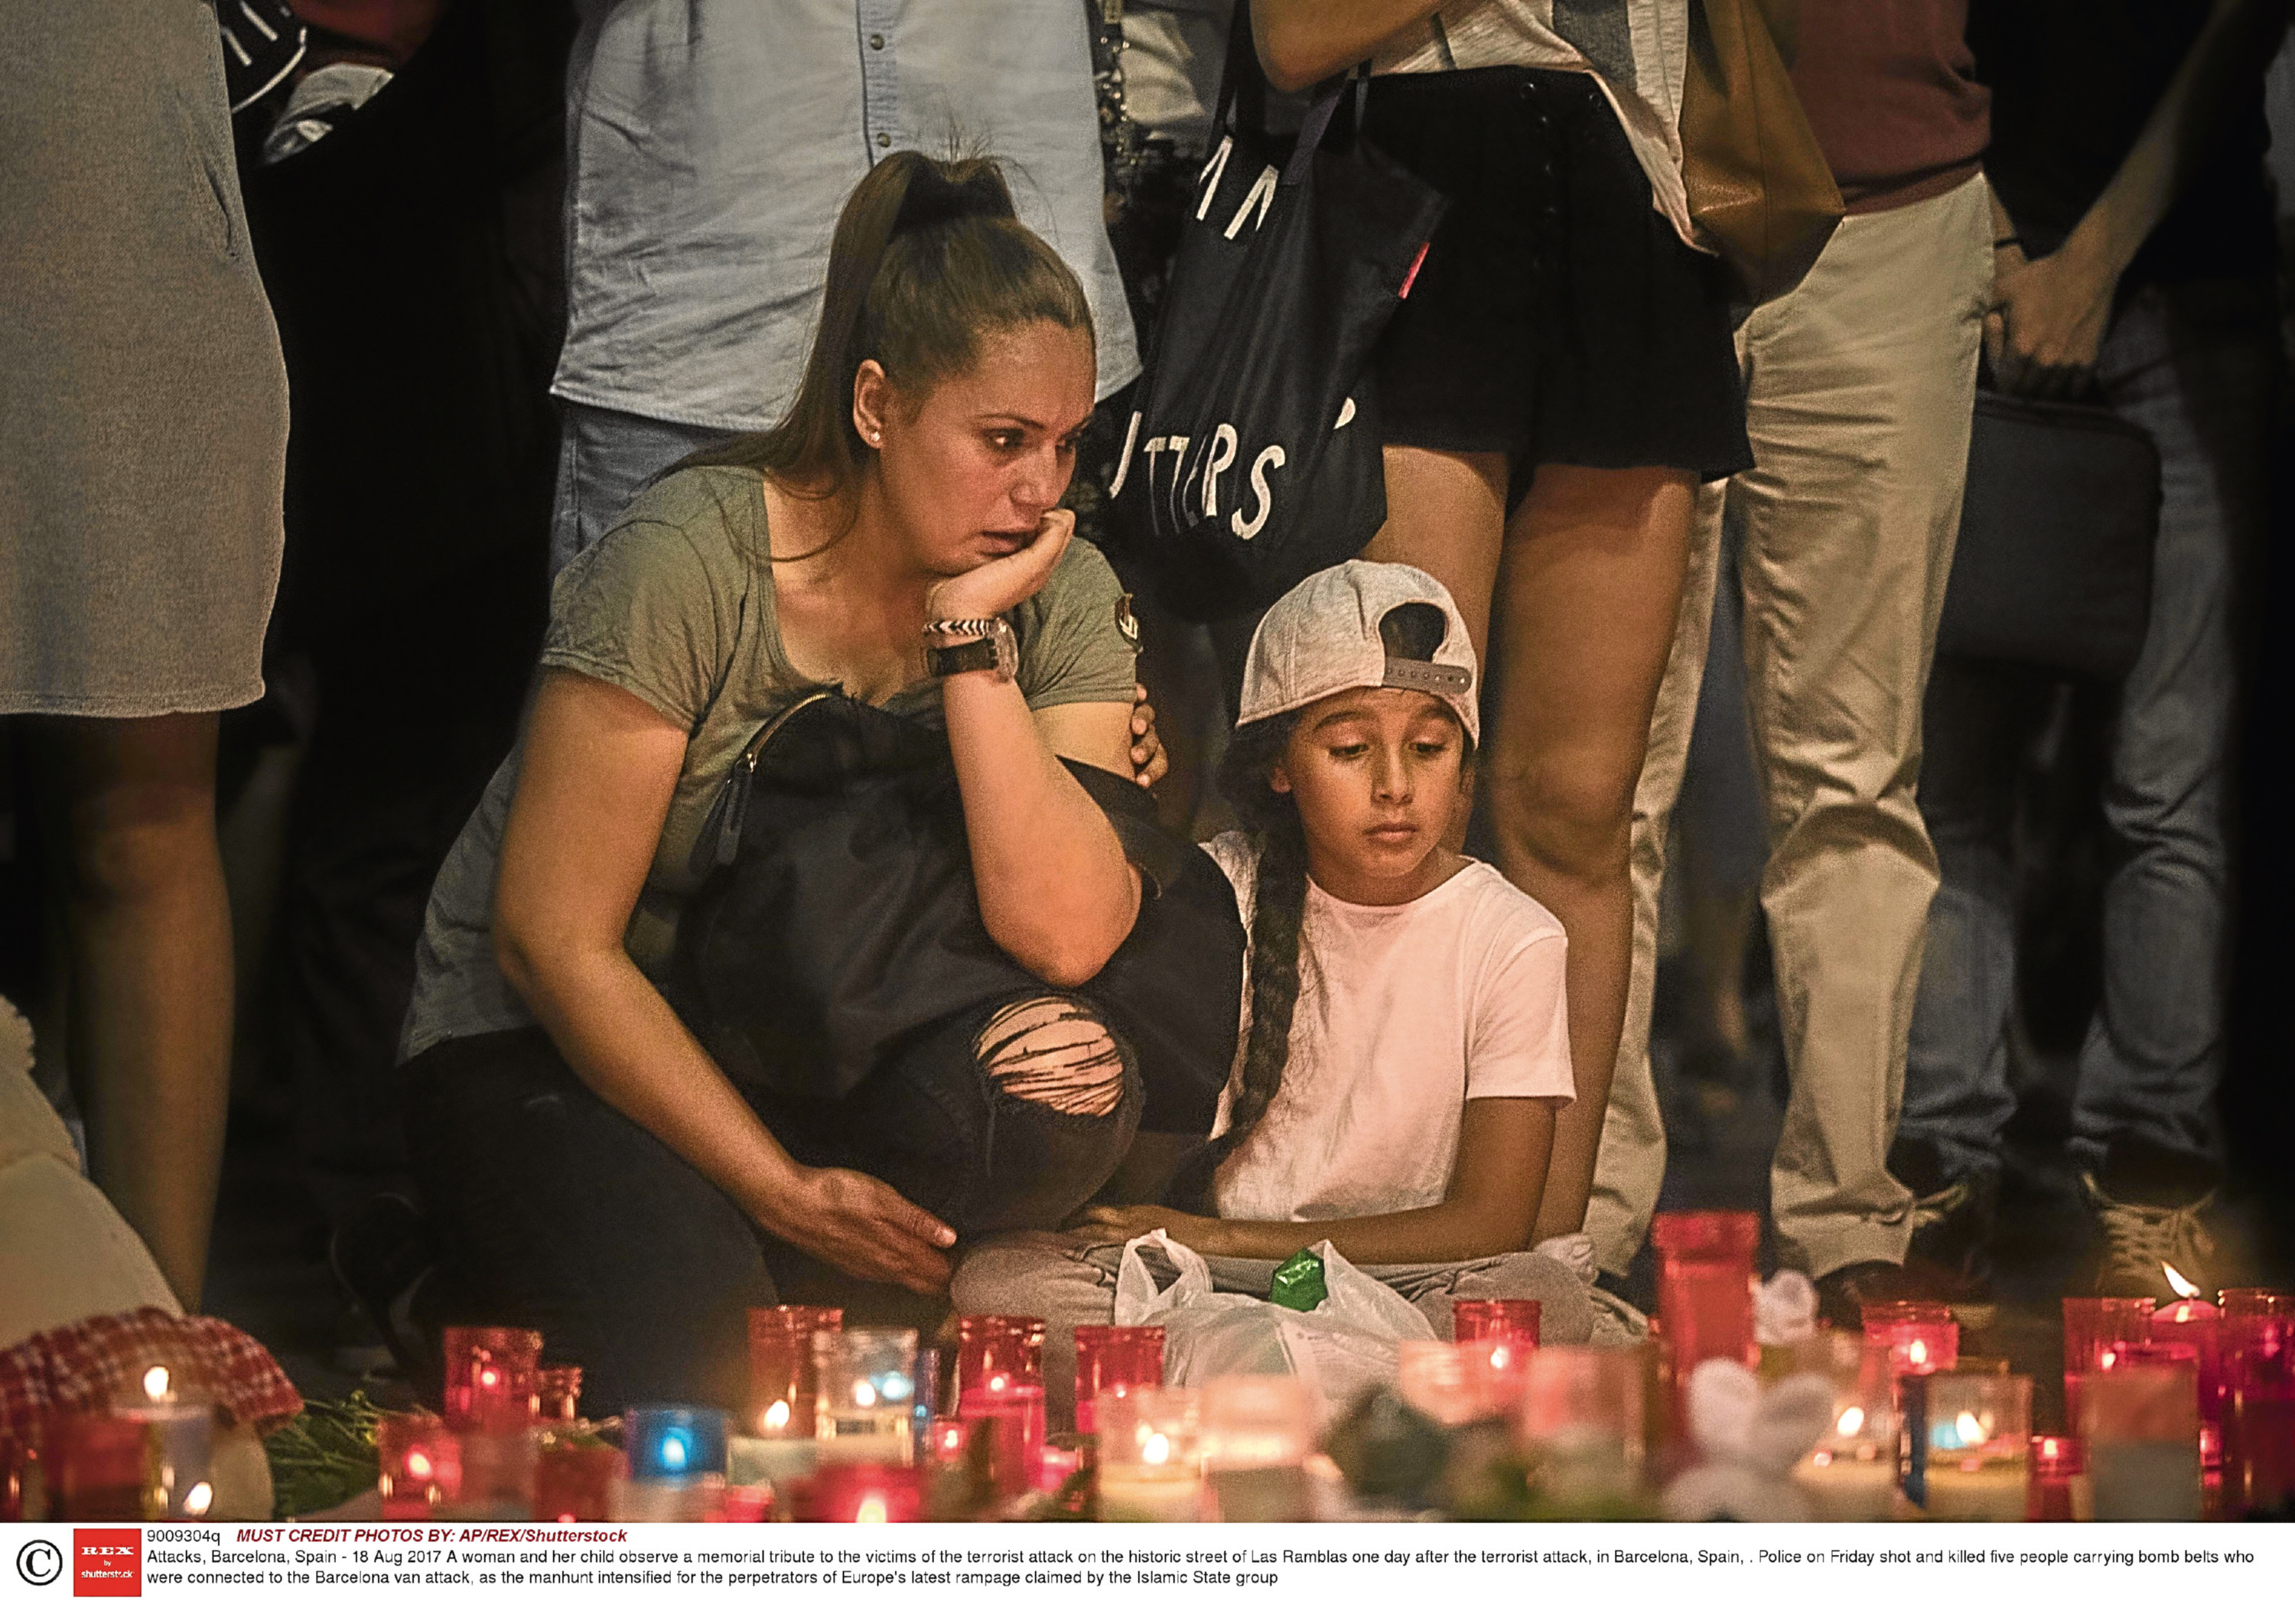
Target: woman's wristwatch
(952, 646)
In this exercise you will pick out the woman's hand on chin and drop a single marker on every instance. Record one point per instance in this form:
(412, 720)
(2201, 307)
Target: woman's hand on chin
(864, 1227)
(993, 587)
(1113, 1226)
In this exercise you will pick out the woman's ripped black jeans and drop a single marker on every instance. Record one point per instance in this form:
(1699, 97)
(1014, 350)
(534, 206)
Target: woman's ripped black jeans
(559, 1213)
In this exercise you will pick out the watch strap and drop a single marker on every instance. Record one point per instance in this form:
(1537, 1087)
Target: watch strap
(947, 659)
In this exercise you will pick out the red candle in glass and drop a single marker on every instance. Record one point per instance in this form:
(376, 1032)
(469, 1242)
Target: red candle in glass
(1917, 1338)
(2193, 1324)
(2254, 1302)
(1496, 1319)
(557, 1394)
(1705, 1286)
(418, 1463)
(1114, 1360)
(784, 1385)
(1000, 1362)
(865, 1492)
(15, 1454)
(490, 1373)
(2092, 1327)
(575, 1483)
(2056, 1465)
(95, 1467)
(745, 1503)
(2258, 1416)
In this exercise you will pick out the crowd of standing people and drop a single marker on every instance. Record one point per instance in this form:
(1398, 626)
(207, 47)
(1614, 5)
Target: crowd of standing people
(692, 403)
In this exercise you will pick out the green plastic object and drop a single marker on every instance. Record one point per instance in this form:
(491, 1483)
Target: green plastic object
(1299, 1282)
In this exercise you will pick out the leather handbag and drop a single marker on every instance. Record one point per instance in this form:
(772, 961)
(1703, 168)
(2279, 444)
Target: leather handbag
(2057, 530)
(838, 919)
(1760, 188)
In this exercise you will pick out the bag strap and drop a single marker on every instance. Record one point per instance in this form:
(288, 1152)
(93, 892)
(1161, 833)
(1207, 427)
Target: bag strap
(1243, 91)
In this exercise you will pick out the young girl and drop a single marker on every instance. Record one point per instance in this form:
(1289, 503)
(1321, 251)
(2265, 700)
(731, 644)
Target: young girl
(1558, 383)
(1406, 1046)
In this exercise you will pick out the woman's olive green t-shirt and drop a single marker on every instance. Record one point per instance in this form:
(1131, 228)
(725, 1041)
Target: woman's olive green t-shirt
(676, 605)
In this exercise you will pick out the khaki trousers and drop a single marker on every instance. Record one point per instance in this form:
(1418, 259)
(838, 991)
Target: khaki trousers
(1860, 388)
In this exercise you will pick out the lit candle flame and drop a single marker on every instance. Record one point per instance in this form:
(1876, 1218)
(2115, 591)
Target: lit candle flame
(777, 1415)
(1851, 1422)
(871, 1509)
(198, 1499)
(155, 1382)
(1157, 1450)
(2177, 1283)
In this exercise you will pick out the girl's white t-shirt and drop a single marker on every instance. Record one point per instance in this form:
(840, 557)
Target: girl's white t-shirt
(1405, 1013)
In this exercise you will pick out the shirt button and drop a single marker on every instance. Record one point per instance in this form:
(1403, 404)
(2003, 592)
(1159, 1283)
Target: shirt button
(875, 42)
(884, 139)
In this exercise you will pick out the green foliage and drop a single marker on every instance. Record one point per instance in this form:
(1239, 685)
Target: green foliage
(323, 1457)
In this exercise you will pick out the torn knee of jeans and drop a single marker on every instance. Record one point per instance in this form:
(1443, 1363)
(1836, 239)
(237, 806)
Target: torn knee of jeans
(1054, 1052)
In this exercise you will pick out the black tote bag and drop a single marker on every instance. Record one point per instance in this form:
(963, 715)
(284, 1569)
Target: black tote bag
(838, 920)
(2057, 529)
(1252, 458)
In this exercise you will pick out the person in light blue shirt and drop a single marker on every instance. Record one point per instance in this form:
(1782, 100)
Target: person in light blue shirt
(710, 144)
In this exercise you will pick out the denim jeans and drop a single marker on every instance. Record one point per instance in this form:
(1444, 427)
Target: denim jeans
(558, 1212)
(605, 458)
(2197, 365)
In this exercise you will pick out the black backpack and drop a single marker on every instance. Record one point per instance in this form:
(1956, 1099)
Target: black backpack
(839, 921)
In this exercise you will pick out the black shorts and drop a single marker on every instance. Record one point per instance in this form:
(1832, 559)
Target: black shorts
(1558, 317)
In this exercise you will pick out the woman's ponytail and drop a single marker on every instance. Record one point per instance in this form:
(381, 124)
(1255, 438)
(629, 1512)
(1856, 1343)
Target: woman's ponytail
(927, 258)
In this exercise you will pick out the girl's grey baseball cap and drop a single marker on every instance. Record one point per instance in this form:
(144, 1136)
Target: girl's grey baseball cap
(1321, 638)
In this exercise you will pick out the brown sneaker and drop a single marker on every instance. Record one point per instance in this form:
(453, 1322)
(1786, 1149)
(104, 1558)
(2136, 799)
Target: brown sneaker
(1844, 1295)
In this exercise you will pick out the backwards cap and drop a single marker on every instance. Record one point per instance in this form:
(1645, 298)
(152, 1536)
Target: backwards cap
(1322, 637)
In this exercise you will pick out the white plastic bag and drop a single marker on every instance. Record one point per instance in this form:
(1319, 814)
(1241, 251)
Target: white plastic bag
(1345, 1343)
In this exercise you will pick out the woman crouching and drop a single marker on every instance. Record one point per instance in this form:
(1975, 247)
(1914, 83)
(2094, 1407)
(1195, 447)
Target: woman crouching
(590, 1167)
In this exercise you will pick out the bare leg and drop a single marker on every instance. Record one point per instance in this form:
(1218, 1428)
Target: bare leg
(1585, 616)
(149, 927)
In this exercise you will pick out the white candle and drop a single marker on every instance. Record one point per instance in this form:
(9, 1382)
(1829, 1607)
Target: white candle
(1993, 1492)
(1144, 1495)
(1844, 1489)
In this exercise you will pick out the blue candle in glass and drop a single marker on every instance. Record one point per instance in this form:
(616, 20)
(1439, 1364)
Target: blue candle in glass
(668, 1443)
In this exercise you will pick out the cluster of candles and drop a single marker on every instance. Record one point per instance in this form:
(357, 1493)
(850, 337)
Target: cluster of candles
(146, 1456)
(2174, 1412)
(859, 1424)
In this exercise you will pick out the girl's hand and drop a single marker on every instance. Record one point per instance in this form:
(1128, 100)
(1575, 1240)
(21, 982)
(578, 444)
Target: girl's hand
(865, 1227)
(992, 588)
(1113, 1226)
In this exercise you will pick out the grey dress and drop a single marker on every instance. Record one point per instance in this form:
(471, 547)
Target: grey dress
(143, 398)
